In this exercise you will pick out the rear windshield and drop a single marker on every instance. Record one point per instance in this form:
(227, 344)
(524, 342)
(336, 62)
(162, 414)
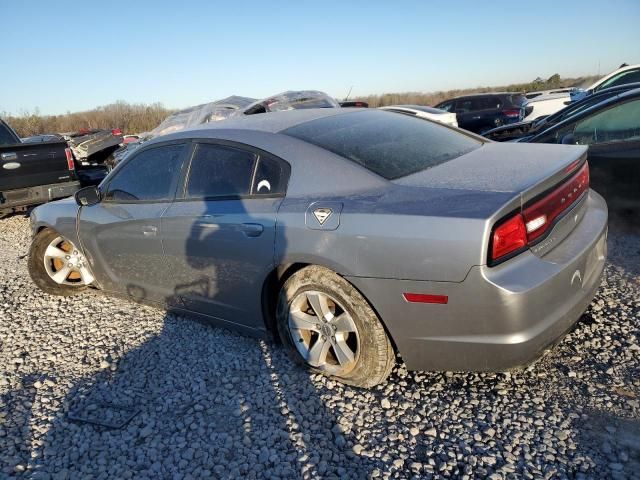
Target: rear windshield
(390, 144)
(6, 136)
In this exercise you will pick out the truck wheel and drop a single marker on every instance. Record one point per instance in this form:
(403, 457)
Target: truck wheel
(327, 325)
(57, 266)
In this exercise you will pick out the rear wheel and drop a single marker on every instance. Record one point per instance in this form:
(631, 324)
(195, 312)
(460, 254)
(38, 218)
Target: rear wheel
(57, 266)
(328, 326)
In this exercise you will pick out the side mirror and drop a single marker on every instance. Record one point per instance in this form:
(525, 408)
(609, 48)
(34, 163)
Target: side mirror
(87, 196)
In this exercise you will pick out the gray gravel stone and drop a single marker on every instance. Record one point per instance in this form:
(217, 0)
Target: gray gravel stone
(215, 404)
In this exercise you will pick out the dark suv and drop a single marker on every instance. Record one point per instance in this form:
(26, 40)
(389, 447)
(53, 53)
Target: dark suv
(481, 112)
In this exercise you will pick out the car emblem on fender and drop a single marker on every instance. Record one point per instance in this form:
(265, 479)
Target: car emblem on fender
(322, 214)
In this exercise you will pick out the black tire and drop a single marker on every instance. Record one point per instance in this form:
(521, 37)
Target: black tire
(37, 269)
(376, 356)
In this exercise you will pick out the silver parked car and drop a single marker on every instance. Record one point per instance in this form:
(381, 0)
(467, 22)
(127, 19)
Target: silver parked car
(354, 235)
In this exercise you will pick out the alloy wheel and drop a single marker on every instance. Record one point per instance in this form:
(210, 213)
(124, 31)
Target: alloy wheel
(324, 332)
(65, 264)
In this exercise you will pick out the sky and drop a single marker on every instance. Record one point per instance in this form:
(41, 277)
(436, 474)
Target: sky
(76, 55)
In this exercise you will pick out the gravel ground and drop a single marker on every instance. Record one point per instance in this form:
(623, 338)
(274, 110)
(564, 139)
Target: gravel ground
(210, 403)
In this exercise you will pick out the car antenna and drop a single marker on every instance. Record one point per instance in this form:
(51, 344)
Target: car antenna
(347, 97)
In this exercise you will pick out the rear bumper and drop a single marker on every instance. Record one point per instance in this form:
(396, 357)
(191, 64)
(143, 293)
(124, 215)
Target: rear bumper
(11, 200)
(499, 317)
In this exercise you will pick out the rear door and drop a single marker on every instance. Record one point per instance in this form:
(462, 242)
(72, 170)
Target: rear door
(122, 233)
(219, 237)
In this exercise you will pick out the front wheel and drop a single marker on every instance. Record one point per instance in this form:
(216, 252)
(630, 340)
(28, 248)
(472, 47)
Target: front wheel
(57, 266)
(327, 325)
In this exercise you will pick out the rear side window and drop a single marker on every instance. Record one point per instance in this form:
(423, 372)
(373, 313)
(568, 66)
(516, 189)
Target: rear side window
(152, 175)
(464, 105)
(388, 144)
(487, 103)
(446, 106)
(271, 176)
(220, 171)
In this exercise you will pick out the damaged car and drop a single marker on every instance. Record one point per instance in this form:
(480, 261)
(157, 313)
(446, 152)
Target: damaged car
(355, 235)
(234, 106)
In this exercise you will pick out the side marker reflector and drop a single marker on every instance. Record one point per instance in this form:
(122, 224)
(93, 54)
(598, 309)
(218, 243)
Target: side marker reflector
(425, 298)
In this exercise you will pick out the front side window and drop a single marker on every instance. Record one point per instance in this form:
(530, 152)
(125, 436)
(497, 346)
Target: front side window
(616, 124)
(152, 175)
(391, 146)
(220, 171)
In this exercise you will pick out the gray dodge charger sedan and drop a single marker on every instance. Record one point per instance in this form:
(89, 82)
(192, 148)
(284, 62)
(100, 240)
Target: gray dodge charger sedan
(352, 235)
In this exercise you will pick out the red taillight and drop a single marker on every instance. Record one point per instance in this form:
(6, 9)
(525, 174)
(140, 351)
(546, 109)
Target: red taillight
(70, 163)
(116, 131)
(539, 216)
(511, 113)
(508, 237)
(525, 228)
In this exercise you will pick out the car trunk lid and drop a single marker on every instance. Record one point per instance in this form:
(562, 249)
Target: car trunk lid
(544, 185)
(499, 167)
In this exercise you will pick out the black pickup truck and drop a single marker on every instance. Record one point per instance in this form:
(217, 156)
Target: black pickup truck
(33, 173)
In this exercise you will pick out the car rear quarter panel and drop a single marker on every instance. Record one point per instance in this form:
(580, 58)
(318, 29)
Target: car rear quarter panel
(398, 232)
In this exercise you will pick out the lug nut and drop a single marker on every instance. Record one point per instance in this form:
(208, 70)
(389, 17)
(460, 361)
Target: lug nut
(335, 328)
(318, 326)
(324, 337)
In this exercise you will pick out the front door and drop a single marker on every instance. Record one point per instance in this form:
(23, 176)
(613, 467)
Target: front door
(122, 234)
(219, 238)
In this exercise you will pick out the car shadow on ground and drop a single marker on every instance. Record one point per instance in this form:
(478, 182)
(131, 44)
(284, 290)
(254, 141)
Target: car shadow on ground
(199, 409)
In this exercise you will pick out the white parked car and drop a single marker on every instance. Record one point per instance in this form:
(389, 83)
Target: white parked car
(442, 116)
(545, 102)
(621, 76)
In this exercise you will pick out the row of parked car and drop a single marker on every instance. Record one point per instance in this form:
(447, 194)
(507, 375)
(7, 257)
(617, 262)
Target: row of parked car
(605, 116)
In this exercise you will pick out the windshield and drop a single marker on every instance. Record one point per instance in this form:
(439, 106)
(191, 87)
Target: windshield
(390, 144)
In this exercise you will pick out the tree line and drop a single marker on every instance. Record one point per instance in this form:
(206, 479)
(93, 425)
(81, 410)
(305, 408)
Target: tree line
(137, 117)
(128, 117)
(433, 98)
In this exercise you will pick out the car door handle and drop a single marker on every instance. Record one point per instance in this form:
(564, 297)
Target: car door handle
(149, 231)
(9, 156)
(252, 229)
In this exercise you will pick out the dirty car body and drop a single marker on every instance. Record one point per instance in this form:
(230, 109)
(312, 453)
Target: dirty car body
(418, 217)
